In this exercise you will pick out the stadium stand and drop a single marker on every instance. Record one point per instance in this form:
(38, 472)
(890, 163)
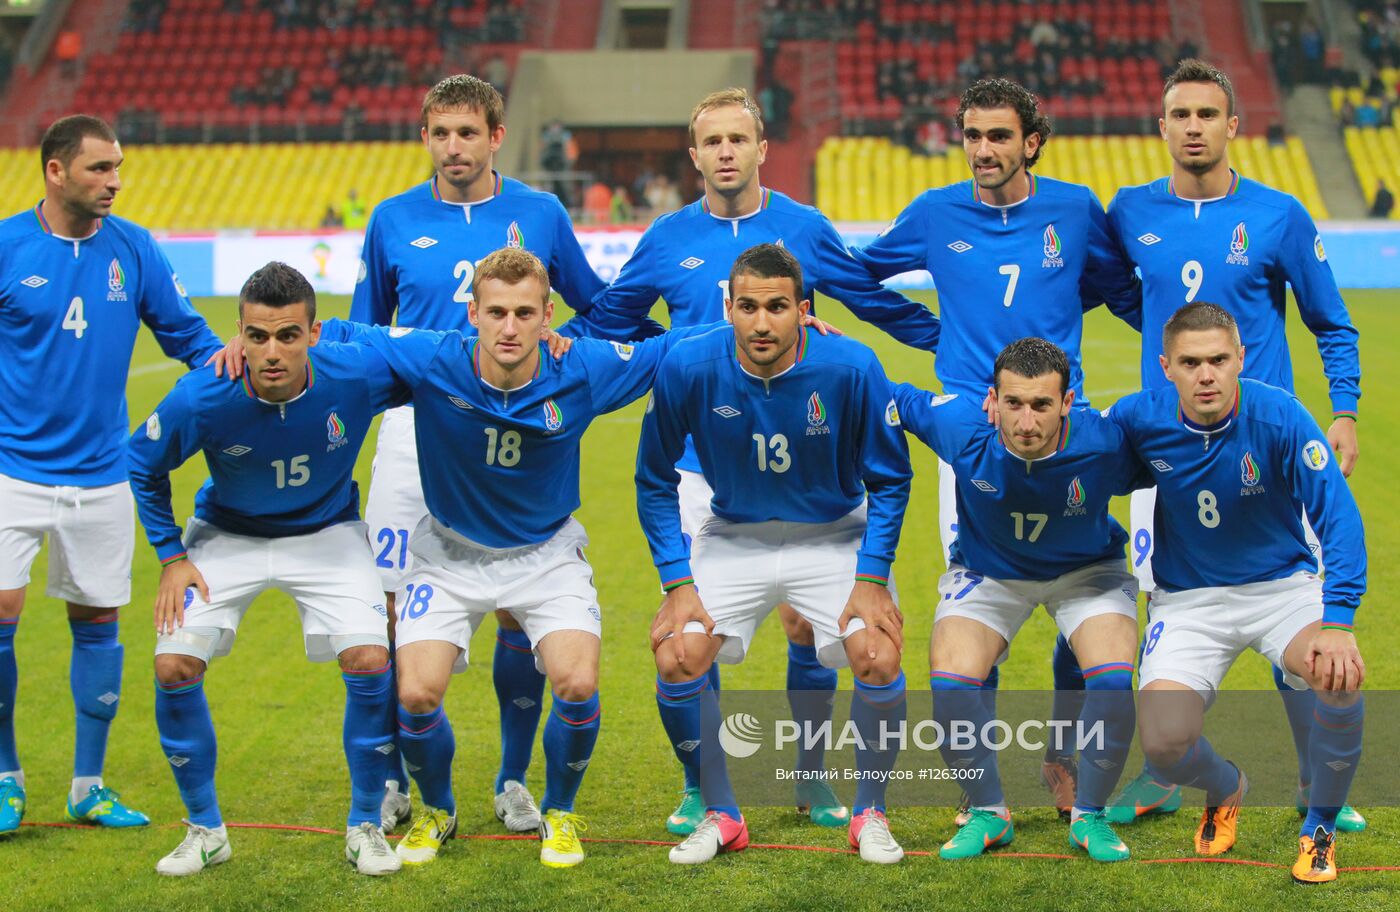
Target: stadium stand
(1375, 154)
(869, 179)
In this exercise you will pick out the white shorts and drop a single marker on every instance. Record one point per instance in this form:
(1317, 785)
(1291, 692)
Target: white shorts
(743, 569)
(1194, 636)
(455, 583)
(329, 574)
(395, 503)
(947, 509)
(695, 495)
(1142, 544)
(92, 536)
(1005, 605)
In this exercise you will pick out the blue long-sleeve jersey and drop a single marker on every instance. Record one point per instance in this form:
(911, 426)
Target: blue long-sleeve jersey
(501, 468)
(1029, 269)
(275, 468)
(685, 257)
(69, 313)
(1239, 251)
(1020, 519)
(420, 253)
(805, 446)
(1230, 497)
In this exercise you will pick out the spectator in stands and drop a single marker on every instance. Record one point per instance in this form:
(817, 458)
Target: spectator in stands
(1313, 51)
(621, 212)
(497, 72)
(662, 196)
(1384, 201)
(1368, 113)
(331, 218)
(776, 101)
(556, 143)
(67, 48)
(1283, 48)
(597, 203)
(353, 213)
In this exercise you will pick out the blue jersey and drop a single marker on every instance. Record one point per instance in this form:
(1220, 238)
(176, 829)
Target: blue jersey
(501, 468)
(421, 252)
(275, 468)
(69, 312)
(1230, 498)
(1027, 519)
(1029, 269)
(685, 257)
(805, 446)
(1239, 251)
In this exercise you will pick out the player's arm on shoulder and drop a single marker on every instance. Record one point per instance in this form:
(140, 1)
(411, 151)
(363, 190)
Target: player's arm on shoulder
(408, 352)
(386, 389)
(844, 278)
(1108, 275)
(903, 245)
(179, 329)
(619, 311)
(620, 372)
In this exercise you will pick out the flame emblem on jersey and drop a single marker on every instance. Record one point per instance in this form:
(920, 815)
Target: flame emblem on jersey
(553, 417)
(1053, 248)
(1076, 494)
(335, 432)
(514, 237)
(1239, 246)
(116, 281)
(1249, 470)
(816, 416)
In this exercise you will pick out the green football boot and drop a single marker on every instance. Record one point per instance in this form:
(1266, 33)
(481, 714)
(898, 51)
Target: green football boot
(1092, 833)
(984, 830)
(1144, 795)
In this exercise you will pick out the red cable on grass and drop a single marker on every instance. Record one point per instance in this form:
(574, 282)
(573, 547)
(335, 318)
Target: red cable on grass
(521, 837)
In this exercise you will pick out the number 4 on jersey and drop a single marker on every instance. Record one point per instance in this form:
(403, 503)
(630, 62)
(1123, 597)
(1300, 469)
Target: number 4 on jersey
(73, 319)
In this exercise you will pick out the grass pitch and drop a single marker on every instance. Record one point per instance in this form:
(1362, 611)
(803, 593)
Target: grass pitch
(280, 761)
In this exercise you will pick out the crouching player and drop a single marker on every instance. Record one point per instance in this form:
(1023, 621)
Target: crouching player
(280, 511)
(1237, 462)
(498, 426)
(793, 432)
(1034, 497)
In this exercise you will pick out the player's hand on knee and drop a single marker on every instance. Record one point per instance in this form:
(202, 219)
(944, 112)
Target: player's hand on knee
(175, 579)
(874, 605)
(1341, 436)
(229, 359)
(1335, 662)
(682, 606)
(558, 345)
(821, 326)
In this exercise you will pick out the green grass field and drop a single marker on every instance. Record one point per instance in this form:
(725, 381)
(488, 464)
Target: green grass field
(280, 761)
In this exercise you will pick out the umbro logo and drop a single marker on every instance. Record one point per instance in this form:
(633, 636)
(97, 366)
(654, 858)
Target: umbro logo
(1161, 465)
(691, 262)
(727, 411)
(424, 242)
(460, 403)
(108, 698)
(1149, 239)
(1337, 765)
(960, 246)
(385, 749)
(1104, 764)
(177, 761)
(579, 766)
(238, 449)
(983, 486)
(523, 702)
(689, 746)
(34, 281)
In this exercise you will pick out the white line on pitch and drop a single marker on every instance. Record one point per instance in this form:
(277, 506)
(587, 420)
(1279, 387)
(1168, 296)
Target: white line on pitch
(145, 369)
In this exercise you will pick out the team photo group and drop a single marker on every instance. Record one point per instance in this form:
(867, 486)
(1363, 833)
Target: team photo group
(773, 471)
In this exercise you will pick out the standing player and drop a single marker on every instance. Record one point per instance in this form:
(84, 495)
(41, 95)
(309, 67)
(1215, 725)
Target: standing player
(1033, 495)
(799, 439)
(1012, 255)
(499, 426)
(1237, 462)
(76, 283)
(280, 511)
(419, 258)
(684, 257)
(1206, 233)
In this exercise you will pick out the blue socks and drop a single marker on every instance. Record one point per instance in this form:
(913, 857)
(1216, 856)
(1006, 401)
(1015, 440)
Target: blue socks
(961, 699)
(1107, 701)
(369, 727)
(876, 709)
(9, 687)
(1068, 701)
(96, 679)
(690, 715)
(1299, 706)
(519, 691)
(1336, 750)
(1201, 767)
(569, 736)
(811, 692)
(691, 782)
(187, 738)
(428, 746)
